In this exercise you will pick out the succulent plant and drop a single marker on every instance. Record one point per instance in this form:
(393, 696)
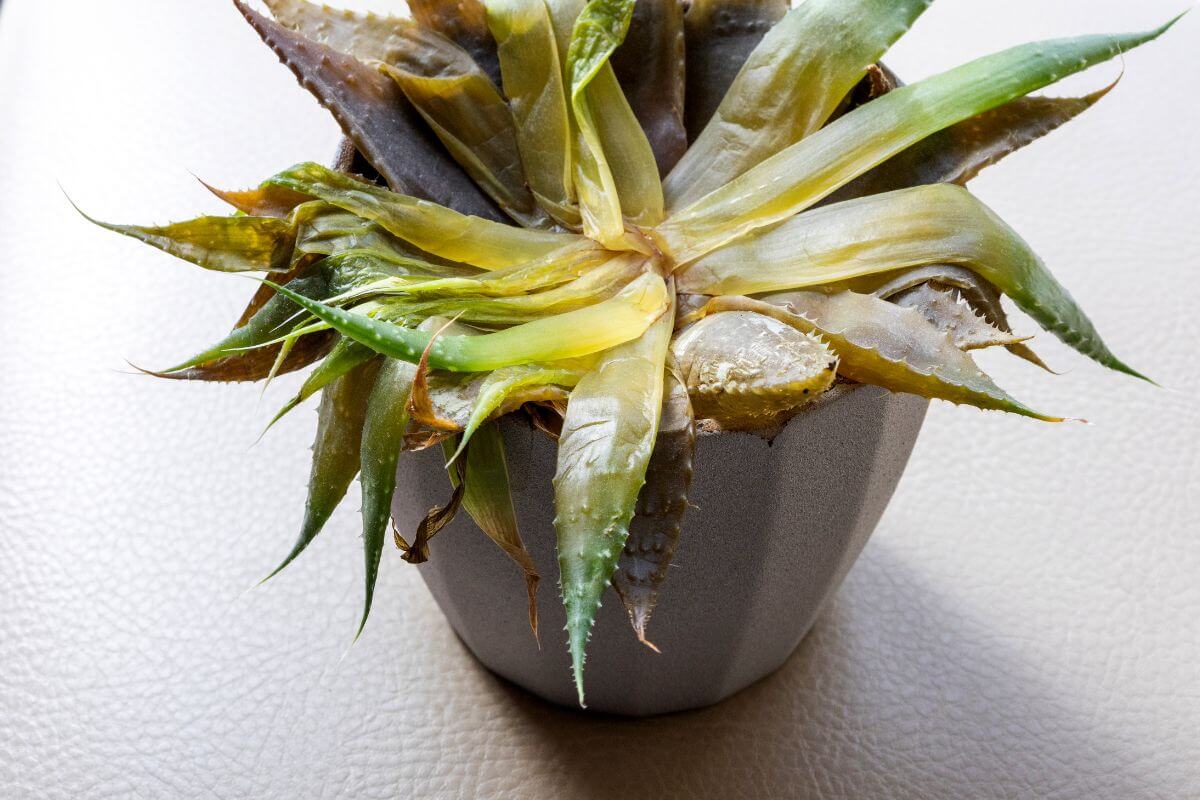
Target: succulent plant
(615, 219)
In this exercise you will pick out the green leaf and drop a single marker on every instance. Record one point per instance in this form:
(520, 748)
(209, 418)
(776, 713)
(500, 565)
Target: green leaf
(615, 172)
(661, 504)
(570, 335)
(939, 224)
(488, 499)
(345, 356)
(340, 422)
(814, 167)
(376, 116)
(882, 344)
(649, 68)
(533, 82)
(719, 36)
(223, 244)
(432, 228)
(789, 87)
(959, 153)
(607, 437)
(262, 327)
(386, 422)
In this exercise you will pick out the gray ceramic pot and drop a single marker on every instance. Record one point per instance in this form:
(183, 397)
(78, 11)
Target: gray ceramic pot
(775, 529)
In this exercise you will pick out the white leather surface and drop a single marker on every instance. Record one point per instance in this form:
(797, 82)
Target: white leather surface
(1024, 624)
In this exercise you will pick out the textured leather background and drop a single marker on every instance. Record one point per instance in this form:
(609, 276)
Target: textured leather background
(1024, 624)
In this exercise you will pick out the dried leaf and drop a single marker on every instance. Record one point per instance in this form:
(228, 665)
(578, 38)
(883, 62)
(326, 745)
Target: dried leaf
(662, 501)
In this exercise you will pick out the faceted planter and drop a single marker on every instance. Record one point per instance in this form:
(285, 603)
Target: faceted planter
(775, 529)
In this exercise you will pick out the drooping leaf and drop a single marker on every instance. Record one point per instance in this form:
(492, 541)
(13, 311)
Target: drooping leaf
(346, 356)
(816, 166)
(749, 372)
(575, 333)
(662, 501)
(385, 424)
(223, 244)
(719, 37)
(945, 311)
(463, 22)
(432, 228)
(789, 87)
(262, 327)
(335, 453)
(533, 81)
(959, 153)
(937, 224)
(437, 518)
(607, 437)
(526, 382)
(376, 116)
(615, 172)
(488, 499)
(882, 344)
(649, 68)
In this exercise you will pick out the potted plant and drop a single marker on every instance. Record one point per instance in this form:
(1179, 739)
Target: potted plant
(571, 249)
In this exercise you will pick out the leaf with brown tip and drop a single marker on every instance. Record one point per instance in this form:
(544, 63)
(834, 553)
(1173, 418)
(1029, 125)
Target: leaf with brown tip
(662, 501)
(377, 117)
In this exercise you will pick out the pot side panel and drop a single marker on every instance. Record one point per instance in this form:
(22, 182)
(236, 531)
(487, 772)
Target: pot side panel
(775, 529)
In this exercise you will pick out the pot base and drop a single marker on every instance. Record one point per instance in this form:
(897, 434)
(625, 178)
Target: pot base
(774, 530)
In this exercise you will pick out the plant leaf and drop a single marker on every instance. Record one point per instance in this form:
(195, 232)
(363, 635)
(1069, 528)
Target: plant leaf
(814, 167)
(269, 201)
(881, 344)
(474, 122)
(662, 501)
(790, 85)
(222, 244)
(607, 437)
(262, 327)
(945, 311)
(340, 422)
(432, 228)
(749, 372)
(346, 356)
(575, 333)
(488, 499)
(719, 36)
(615, 172)
(463, 22)
(376, 116)
(959, 153)
(533, 80)
(386, 422)
(649, 67)
(938, 224)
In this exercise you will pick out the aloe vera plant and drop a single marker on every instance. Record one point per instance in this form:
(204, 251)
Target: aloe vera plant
(619, 219)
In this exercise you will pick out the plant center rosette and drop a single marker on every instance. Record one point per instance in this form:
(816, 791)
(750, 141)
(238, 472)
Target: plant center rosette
(620, 220)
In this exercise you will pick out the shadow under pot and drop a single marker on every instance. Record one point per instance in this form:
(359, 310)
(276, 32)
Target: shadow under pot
(773, 531)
